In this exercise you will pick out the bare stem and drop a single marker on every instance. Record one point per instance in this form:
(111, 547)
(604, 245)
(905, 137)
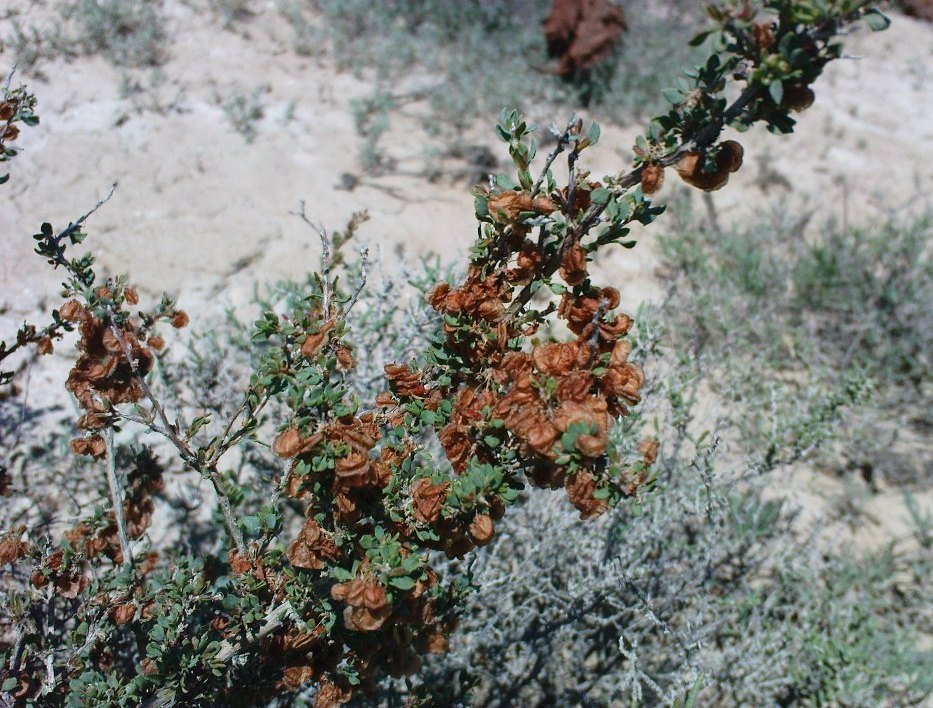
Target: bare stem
(325, 256)
(562, 140)
(171, 432)
(116, 498)
(364, 264)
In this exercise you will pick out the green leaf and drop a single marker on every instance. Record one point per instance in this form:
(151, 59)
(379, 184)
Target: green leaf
(600, 196)
(673, 96)
(9, 684)
(250, 525)
(403, 582)
(776, 89)
(593, 133)
(700, 38)
(876, 20)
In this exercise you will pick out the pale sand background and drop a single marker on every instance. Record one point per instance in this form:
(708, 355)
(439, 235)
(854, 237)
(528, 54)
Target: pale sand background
(204, 215)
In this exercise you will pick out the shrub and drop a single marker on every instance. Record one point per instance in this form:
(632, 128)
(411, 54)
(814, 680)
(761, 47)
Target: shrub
(713, 581)
(311, 560)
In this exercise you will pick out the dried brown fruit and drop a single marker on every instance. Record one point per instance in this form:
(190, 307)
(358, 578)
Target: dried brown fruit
(156, 342)
(44, 345)
(691, 169)
(428, 498)
(362, 619)
(580, 488)
(652, 178)
(294, 677)
(345, 358)
(11, 547)
(580, 33)
(797, 97)
(405, 381)
(506, 207)
(649, 450)
(734, 153)
(72, 311)
(573, 265)
(330, 695)
(457, 444)
(481, 529)
(763, 33)
(121, 614)
(132, 297)
(288, 443)
(93, 446)
(180, 319)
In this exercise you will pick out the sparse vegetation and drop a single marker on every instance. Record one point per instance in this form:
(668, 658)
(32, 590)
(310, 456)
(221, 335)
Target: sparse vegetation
(340, 492)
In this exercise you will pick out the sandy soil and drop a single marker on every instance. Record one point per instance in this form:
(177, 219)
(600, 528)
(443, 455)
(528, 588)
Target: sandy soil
(204, 215)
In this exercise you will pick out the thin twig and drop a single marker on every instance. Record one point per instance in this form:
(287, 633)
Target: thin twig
(75, 226)
(116, 498)
(364, 264)
(171, 433)
(325, 256)
(562, 140)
